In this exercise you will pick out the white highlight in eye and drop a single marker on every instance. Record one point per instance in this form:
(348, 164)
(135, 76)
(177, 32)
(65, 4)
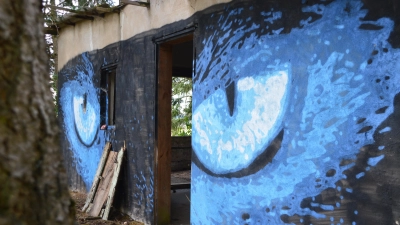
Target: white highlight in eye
(85, 122)
(245, 134)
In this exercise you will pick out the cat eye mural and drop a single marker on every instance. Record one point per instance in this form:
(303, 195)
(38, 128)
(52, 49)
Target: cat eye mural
(80, 107)
(85, 84)
(229, 143)
(296, 106)
(318, 84)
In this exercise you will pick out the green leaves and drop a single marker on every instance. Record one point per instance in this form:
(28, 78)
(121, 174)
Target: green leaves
(80, 4)
(181, 107)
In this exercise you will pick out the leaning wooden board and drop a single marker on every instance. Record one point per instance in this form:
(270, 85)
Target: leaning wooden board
(101, 196)
(110, 197)
(97, 177)
(104, 185)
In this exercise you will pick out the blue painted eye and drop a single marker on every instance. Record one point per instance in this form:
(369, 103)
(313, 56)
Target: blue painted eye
(86, 119)
(81, 119)
(225, 143)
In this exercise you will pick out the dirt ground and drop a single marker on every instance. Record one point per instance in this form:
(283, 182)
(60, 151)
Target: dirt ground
(115, 218)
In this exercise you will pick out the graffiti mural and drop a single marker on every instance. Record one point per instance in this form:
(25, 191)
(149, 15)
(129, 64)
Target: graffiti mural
(241, 137)
(84, 88)
(80, 106)
(144, 187)
(294, 111)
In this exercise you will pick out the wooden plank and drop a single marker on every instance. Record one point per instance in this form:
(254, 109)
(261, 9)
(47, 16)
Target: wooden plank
(104, 186)
(134, 2)
(114, 181)
(104, 10)
(84, 17)
(90, 207)
(181, 153)
(177, 186)
(180, 40)
(62, 8)
(92, 218)
(96, 179)
(163, 148)
(85, 12)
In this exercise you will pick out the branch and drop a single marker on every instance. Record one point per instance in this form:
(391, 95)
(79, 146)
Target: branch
(84, 12)
(62, 8)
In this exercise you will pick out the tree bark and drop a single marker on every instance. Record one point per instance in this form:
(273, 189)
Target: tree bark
(33, 185)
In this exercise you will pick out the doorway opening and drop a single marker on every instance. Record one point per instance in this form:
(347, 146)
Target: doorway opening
(173, 155)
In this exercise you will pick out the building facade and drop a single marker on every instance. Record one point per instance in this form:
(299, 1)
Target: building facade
(296, 108)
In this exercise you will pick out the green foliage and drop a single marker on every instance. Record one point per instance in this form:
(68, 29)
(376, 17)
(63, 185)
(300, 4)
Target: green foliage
(80, 4)
(181, 105)
(51, 17)
(53, 83)
(181, 121)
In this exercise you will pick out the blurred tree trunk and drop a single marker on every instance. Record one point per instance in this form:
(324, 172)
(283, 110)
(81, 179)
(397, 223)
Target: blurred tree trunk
(33, 186)
(53, 14)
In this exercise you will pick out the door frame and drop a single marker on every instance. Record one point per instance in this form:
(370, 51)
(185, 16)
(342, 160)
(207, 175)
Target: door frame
(162, 172)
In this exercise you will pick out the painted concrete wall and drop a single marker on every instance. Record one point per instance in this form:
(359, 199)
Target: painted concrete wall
(87, 36)
(82, 54)
(295, 116)
(132, 20)
(82, 140)
(295, 109)
(79, 115)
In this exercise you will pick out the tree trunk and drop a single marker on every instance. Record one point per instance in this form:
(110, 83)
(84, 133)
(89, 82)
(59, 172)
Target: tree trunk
(33, 186)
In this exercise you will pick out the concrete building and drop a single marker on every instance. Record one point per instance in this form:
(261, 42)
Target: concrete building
(296, 107)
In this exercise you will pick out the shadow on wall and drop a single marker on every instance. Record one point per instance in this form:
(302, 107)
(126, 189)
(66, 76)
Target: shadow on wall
(327, 78)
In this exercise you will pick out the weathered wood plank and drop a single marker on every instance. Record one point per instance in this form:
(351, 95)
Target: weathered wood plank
(90, 12)
(163, 151)
(92, 218)
(104, 186)
(104, 10)
(114, 181)
(135, 2)
(96, 179)
(90, 207)
(181, 153)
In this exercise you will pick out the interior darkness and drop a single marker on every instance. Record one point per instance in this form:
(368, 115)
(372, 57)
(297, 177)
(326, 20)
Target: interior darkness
(182, 59)
(182, 66)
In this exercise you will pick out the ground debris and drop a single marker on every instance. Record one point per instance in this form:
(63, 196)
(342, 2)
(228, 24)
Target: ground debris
(116, 218)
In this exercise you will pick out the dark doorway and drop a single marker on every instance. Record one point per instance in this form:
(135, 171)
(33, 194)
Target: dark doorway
(174, 59)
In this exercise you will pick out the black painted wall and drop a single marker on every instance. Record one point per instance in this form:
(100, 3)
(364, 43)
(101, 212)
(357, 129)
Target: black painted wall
(332, 154)
(135, 118)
